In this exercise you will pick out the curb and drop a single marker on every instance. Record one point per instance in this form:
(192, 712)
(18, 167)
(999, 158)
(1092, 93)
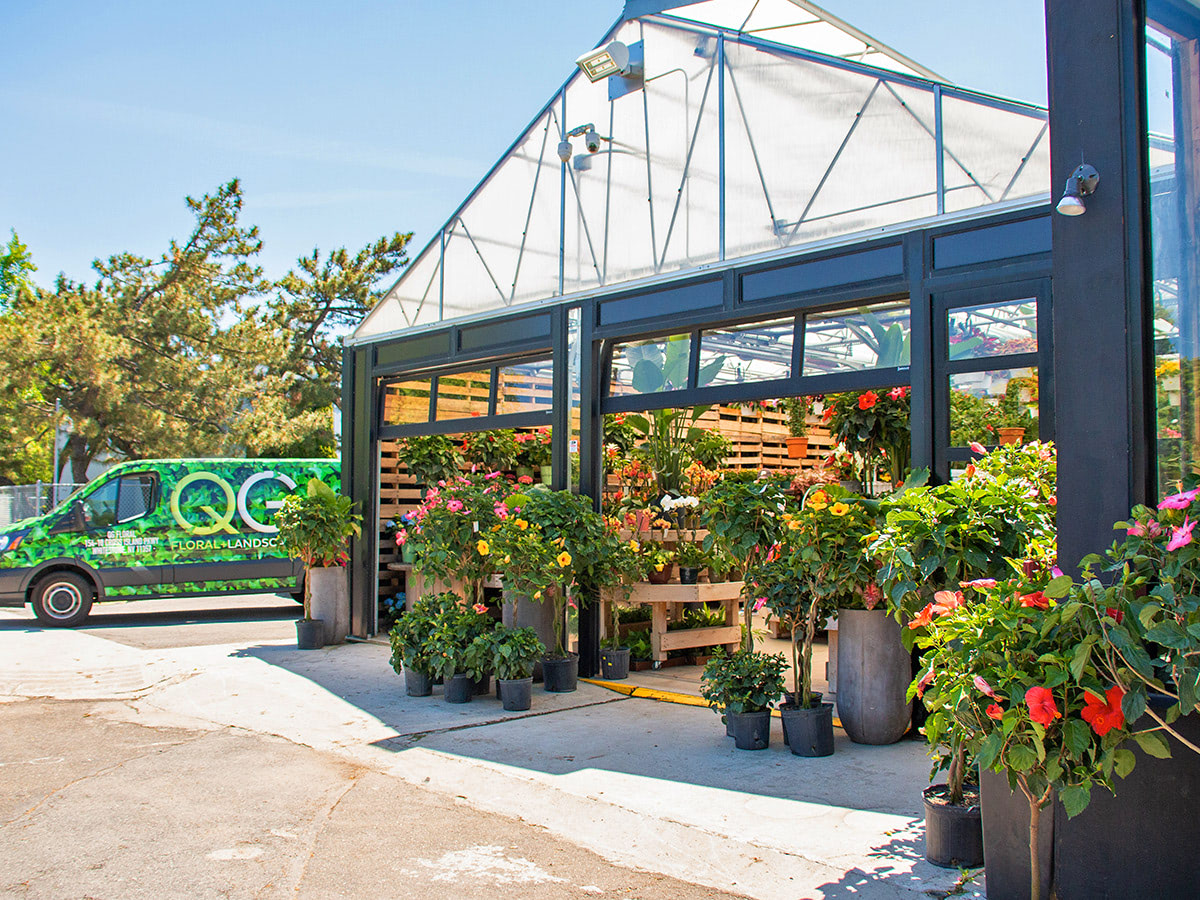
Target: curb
(631, 690)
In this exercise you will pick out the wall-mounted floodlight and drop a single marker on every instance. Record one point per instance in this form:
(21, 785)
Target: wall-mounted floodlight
(613, 58)
(1080, 184)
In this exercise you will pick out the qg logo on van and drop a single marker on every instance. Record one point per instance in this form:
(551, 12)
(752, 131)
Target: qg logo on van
(204, 519)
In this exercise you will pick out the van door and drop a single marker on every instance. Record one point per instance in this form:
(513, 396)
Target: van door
(116, 534)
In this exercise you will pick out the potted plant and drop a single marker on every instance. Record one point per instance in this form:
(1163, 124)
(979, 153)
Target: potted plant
(411, 654)
(494, 450)
(742, 686)
(866, 423)
(314, 527)
(691, 559)
(431, 458)
(710, 448)
(515, 651)
(534, 454)
(626, 567)
(798, 410)
(454, 655)
(657, 561)
(1013, 418)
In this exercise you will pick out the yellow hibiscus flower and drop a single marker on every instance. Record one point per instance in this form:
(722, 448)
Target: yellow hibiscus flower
(483, 548)
(522, 524)
(563, 559)
(840, 509)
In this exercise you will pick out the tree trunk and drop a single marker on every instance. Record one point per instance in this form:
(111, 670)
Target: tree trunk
(81, 456)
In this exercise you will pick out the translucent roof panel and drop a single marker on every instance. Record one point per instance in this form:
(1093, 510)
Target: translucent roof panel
(815, 146)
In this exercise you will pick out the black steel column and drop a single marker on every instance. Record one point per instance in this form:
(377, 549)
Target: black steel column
(591, 478)
(1104, 419)
(359, 482)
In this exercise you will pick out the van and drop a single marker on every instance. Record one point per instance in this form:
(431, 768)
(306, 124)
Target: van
(151, 528)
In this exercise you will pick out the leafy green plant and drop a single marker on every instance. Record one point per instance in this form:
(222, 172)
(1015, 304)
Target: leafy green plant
(314, 527)
(710, 448)
(451, 642)
(639, 645)
(867, 424)
(690, 555)
(798, 410)
(431, 458)
(745, 681)
(495, 450)
(515, 651)
(534, 448)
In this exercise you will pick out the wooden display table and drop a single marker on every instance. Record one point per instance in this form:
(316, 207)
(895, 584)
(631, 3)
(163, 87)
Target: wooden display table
(666, 601)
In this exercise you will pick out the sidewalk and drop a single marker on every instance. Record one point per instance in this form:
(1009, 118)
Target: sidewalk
(651, 785)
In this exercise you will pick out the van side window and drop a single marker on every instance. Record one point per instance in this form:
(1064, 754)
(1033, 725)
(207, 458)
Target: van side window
(135, 497)
(100, 506)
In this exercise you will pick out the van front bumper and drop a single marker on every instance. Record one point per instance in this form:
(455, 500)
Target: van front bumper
(12, 586)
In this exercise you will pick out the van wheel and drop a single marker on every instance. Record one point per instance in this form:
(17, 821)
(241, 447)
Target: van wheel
(62, 599)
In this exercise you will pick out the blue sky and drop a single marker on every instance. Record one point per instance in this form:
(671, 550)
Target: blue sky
(345, 121)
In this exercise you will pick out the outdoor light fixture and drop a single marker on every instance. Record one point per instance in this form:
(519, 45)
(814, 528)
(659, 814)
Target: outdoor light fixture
(613, 58)
(1080, 184)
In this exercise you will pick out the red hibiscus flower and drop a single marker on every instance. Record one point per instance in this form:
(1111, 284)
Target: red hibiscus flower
(867, 400)
(1041, 705)
(1036, 600)
(897, 393)
(994, 711)
(947, 601)
(1104, 714)
(924, 617)
(828, 414)
(1115, 614)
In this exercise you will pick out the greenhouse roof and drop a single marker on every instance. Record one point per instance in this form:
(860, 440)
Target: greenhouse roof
(757, 127)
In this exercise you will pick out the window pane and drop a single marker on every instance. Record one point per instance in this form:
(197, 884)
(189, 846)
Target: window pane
(463, 395)
(983, 404)
(999, 329)
(406, 402)
(650, 367)
(849, 340)
(135, 496)
(525, 387)
(1173, 109)
(100, 507)
(757, 352)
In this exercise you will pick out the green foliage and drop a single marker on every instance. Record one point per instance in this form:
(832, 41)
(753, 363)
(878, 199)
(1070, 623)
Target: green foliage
(986, 524)
(691, 555)
(456, 637)
(710, 448)
(745, 681)
(798, 410)
(431, 458)
(16, 265)
(971, 419)
(619, 433)
(534, 448)
(408, 637)
(867, 424)
(515, 651)
(315, 526)
(495, 450)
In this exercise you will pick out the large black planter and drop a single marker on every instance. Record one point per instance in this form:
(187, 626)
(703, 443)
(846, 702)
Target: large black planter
(750, 730)
(459, 689)
(483, 685)
(1006, 839)
(417, 684)
(560, 675)
(614, 663)
(809, 732)
(516, 694)
(790, 702)
(310, 634)
(953, 834)
(873, 674)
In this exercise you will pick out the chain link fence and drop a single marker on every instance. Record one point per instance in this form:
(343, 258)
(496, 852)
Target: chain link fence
(21, 501)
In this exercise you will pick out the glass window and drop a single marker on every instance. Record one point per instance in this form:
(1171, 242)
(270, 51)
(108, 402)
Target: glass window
(651, 367)
(984, 404)
(1173, 113)
(742, 353)
(463, 395)
(135, 497)
(849, 340)
(406, 402)
(100, 506)
(525, 387)
(994, 329)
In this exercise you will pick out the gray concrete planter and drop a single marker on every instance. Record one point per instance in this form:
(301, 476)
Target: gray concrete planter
(330, 586)
(874, 671)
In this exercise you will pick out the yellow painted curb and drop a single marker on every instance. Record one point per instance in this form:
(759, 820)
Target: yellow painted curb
(632, 690)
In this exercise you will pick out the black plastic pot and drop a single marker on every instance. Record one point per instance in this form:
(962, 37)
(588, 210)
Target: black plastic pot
(689, 574)
(482, 686)
(614, 663)
(515, 693)
(809, 731)
(560, 675)
(953, 833)
(459, 689)
(790, 702)
(749, 730)
(417, 684)
(310, 634)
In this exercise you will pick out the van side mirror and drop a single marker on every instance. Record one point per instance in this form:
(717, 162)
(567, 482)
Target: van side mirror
(78, 519)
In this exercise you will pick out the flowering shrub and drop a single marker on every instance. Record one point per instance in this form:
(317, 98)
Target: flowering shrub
(870, 424)
(745, 681)
(494, 450)
(993, 522)
(534, 448)
(1005, 680)
(431, 458)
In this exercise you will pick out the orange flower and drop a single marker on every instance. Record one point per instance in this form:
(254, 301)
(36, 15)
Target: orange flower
(1036, 600)
(1104, 714)
(867, 400)
(946, 601)
(924, 617)
(1041, 705)
(994, 711)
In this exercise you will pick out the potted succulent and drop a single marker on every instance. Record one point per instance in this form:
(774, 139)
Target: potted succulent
(314, 527)
(431, 458)
(742, 686)
(515, 651)
(798, 410)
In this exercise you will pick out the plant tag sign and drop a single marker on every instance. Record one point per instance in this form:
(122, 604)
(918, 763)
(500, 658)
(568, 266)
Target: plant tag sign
(475, 527)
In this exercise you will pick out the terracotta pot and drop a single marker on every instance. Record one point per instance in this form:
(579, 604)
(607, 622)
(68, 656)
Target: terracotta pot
(1010, 435)
(797, 446)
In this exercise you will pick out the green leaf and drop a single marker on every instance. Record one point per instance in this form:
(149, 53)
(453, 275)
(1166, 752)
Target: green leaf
(1153, 743)
(1075, 798)
(1058, 587)
(1083, 653)
(1133, 704)
(1169, 634)
(647, 377)
(1021, 758)
(1077, 735)
(1123, 762)
(989, 750)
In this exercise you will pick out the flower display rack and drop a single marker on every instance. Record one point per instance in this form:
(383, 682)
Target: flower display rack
(666, 601)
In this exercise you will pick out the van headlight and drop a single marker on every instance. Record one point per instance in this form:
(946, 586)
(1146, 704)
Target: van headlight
(4, 539)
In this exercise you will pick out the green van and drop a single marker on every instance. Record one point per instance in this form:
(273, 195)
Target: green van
(184, 527)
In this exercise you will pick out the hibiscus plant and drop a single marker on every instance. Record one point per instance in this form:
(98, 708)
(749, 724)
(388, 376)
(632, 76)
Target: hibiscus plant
(1006, 681)
(871, 426)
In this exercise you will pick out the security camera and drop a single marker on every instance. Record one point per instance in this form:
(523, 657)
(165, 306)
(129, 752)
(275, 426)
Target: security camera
(592, 141)
(564, 151)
